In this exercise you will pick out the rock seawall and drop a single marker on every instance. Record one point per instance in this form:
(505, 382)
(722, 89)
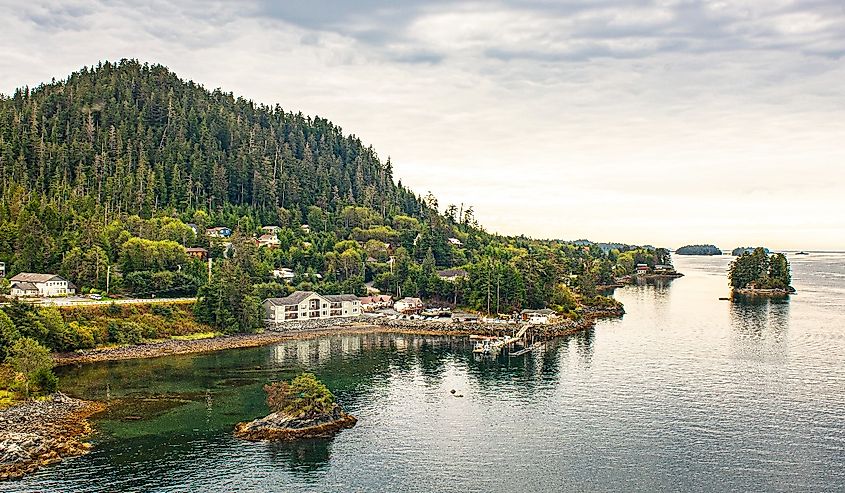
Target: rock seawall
(38, 433)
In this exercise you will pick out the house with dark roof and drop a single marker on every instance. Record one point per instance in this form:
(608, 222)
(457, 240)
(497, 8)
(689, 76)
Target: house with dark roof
(308, 305)
(28, 284)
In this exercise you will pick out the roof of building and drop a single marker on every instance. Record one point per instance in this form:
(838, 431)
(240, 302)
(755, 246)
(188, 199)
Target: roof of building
(268, 237)
(24, 286)
(295, 298)
(464, 315)
(30, 277)
(452, 273)
(340, 297)
(543, 311)
(408, 299)
(196, 249)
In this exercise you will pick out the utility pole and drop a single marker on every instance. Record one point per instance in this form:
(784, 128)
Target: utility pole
(108, 278)
(209, 270)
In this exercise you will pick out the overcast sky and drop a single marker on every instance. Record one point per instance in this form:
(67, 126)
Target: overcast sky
(666, 122)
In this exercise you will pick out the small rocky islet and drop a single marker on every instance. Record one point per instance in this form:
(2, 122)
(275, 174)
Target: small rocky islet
(302, 408)
(279, 426)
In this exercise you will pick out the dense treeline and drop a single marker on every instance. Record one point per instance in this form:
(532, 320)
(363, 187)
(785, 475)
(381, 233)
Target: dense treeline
(108, 175)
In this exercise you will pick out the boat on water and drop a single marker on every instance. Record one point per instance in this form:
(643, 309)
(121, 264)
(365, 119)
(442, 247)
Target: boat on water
(801, 253)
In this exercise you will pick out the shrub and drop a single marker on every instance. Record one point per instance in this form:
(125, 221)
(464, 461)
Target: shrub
(46, 380)
(305, 396)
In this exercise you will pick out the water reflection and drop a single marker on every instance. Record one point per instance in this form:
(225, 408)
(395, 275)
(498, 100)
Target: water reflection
(303, 457)
(760, 317)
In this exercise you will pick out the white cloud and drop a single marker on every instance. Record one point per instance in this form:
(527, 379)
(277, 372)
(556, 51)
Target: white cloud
(650, 122)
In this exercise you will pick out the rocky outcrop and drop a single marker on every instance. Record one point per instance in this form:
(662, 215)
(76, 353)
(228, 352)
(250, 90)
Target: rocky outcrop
(38, 433)
(282, 427)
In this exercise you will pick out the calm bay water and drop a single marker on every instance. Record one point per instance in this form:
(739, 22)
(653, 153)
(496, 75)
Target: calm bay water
(686, 392)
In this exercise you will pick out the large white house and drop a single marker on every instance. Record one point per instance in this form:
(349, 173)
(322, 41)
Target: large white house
(27, 284)
(308, 305)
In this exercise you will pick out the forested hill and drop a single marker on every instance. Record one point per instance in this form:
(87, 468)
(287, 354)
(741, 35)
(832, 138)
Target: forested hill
(120, 169)
(138, 138)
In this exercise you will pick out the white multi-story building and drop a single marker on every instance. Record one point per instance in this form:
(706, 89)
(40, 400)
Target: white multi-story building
(308, 305)
(27, 284)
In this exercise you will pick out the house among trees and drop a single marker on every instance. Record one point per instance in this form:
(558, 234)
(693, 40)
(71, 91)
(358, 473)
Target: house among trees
(271, 230)
(306, 228)
(308, 305)
(200, 253)
(408, 305)
(456, 242)
(269, 241)
(284, 274)
(642, 269)
(376, 302)
(218, 232)
(27, 284)
(452, 275)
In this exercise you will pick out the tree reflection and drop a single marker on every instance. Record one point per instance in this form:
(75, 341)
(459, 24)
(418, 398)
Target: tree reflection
(303, 457)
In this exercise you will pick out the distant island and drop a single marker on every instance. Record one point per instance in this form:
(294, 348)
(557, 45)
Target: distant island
(758, 274)
(698, 250)
(736, 252)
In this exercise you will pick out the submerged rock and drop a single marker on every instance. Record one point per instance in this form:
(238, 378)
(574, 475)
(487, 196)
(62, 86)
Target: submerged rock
(282, 427)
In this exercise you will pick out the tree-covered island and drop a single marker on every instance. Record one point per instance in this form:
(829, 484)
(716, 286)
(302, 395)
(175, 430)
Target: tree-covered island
(698, 250)
(757, 273)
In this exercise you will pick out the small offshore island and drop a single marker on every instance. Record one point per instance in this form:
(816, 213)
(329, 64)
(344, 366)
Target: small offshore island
(758, 274)
(698, 250)
(303, 408)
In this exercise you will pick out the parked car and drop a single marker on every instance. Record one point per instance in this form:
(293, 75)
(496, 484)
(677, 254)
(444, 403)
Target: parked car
(95, 296)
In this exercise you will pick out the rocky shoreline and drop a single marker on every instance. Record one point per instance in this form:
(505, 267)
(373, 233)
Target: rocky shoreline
(281, 427)
(768, 293)
(174, 347)
(416, 327)
(37, 433)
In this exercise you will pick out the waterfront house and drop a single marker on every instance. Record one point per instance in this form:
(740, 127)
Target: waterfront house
(308, 305)
(452, 275)
(376, 302)
(27, 284)
(218, 232)
(642, 269)
(200, 253)
(663, 268)
(269, 241)
(541, 316)
(408, 305)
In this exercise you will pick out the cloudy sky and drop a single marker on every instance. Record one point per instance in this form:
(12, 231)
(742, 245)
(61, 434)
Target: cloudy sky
(664, 122)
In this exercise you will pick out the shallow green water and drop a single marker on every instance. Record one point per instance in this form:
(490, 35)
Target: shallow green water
(686, 392)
